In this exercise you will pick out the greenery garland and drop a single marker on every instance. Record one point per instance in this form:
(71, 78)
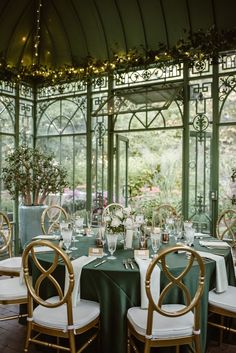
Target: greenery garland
(198, 46)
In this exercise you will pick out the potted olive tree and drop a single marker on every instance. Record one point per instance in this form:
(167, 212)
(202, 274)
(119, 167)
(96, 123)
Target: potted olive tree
(32, 175)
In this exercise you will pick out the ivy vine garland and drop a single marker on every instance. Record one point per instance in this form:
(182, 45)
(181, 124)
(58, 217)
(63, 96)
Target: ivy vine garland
(197, 47)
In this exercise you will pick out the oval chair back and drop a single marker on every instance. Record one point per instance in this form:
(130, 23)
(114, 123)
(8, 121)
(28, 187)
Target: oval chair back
(5, 235)
(161, 213)
(226, 226)
(51, 218)
(172, 317)
(110, 209)
(51, 309)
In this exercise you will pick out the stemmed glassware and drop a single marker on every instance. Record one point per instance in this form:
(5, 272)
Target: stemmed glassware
(102, 234)
(72, 226)
(111, 244)
(155, 243)
(89, 217)
(189, 236)
(79, 223)
(66, 232)
(139, 220)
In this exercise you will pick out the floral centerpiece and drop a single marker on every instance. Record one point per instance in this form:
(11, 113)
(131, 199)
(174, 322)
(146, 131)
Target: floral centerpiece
(118, 219)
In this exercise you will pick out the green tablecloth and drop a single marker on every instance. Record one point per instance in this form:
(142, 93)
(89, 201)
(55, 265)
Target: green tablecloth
(117, 289)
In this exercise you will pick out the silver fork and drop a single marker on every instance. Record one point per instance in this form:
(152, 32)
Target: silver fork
(130, 262)
(125, 263)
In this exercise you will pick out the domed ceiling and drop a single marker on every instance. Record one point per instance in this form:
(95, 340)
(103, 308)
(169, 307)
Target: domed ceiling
(55, 33)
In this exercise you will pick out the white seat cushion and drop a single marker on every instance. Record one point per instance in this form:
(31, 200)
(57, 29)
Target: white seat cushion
(85, 312)
(163, 327)
(11, 288)
(225, 300)
(11, 264)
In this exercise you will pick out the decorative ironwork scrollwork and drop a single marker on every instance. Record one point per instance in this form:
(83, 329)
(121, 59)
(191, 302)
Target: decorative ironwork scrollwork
(100, 131)
(200, 124)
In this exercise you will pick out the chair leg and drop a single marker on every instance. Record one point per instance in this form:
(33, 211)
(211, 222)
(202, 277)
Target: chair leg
(28, 335)
(72, 341)
(221, 330)
(128, 342)
(147, 346)
(197, 344)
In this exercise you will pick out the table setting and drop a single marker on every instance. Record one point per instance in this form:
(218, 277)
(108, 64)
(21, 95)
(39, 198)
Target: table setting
(120, 282)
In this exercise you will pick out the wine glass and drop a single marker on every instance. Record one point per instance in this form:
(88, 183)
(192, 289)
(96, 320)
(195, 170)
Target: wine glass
(79, 222)
(155, 242)
(72, 226)
(102, 236)
(111, 244)
(89, 217)
(67, 237)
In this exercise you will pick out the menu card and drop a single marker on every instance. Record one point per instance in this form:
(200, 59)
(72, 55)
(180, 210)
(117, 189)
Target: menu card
(98, 252)
(141, 254)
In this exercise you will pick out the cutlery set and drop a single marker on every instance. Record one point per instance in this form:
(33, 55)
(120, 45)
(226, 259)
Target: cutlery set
(127, 263)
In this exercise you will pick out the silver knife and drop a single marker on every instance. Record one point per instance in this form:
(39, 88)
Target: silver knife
(100, 263)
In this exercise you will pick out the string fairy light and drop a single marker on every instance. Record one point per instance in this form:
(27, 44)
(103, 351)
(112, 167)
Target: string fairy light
(37, 33)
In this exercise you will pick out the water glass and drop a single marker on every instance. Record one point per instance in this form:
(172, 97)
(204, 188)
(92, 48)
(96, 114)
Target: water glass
(67, 237)
(102, 237)
(189, 236)
(79, 223)
(155, 243)
(89, 218)
(111, 244)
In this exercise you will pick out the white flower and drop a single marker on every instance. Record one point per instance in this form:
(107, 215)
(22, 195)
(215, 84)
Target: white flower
(107, 218)
(127, 211)
(119, 214)
(116, 222)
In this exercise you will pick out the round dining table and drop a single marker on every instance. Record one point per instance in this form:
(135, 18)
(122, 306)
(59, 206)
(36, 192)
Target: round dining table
(117, 287)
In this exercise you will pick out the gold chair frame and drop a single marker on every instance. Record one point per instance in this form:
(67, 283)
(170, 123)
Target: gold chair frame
(192, 302)
(6, 245)
(109, 209)
(228, 219)
(167, 210)
(16, 301)
(35, 330)
(223, 314)
(53, 219)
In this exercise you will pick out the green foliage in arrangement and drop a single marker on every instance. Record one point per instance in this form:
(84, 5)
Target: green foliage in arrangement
(33, 175)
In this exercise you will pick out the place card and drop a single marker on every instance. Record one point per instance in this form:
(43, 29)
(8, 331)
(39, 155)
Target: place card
(141, 254)
(95, 252)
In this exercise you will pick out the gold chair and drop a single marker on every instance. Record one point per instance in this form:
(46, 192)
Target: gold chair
(226, 226)
(51, 218)
(12, 291)
(221, 310)
(10, 265)
(163, 324)
(161, 213)
(110, 209)
(56, 316)
(226, 230)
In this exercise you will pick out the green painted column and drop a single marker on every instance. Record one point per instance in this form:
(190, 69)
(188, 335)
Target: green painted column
(215, 151)
(185, 166)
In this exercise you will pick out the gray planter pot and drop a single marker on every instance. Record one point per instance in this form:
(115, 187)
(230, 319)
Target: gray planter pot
(30, 222)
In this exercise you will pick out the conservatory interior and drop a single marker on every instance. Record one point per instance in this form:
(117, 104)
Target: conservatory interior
(139, 109)
(134, 102)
